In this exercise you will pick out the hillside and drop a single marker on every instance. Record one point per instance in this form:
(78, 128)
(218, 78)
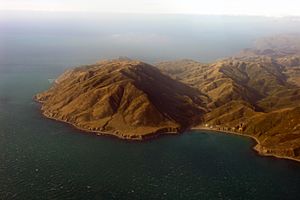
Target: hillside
(255, 93)
(129, 99)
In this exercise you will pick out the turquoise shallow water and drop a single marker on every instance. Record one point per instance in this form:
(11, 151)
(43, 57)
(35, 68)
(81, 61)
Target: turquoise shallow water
(44, 159)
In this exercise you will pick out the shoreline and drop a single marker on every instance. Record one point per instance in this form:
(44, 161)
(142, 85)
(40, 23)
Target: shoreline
(112, 134)
(200, 128)
(158, 133)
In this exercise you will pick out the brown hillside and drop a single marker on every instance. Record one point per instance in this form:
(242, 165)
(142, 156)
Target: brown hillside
(129, 99)
(255, 93)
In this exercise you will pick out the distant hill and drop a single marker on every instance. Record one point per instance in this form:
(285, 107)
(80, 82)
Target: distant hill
(274, 46)
(284, 43)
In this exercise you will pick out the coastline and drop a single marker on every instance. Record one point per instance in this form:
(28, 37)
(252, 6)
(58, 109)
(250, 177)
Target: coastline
(255, 148)
(159, 133)
(112, 134)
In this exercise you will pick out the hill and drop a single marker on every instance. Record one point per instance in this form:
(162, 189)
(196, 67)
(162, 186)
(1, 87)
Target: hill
(129, 99)
(254, 93)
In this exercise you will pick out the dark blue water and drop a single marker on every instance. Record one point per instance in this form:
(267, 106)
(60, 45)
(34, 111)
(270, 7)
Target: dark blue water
(44, 159)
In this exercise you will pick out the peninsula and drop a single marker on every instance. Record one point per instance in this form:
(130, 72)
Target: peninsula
(255, 93)
(129, 99)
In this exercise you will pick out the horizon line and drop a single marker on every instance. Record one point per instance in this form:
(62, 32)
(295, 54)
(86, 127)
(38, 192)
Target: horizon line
(148, 13)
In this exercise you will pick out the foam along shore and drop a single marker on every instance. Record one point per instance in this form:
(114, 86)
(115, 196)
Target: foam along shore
(258, 147)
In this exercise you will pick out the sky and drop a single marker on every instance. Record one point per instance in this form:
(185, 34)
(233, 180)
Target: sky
(276, 8)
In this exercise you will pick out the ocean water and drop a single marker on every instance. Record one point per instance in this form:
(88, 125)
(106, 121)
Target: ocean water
(43, 159)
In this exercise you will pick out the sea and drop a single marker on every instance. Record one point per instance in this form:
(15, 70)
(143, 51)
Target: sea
(41, 159)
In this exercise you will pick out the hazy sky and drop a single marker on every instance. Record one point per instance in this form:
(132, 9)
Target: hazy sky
(228, 7)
